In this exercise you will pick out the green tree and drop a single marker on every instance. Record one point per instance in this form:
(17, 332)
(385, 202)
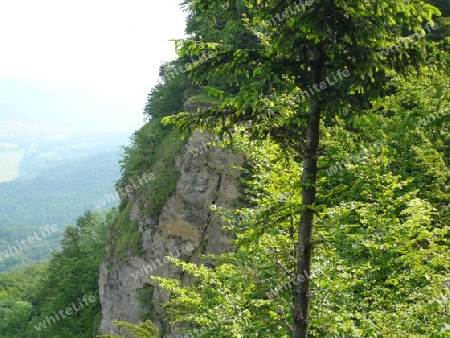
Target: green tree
(314, 65)
(14, 316)
(144, 330)
(167, 97)
(72, 276)
(19, 294)
(381, 243)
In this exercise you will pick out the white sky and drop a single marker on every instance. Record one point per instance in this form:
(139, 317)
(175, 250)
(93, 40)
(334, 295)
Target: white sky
(111, 48)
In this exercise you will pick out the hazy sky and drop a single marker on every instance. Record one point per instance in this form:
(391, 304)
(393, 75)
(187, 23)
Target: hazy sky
(110, 48)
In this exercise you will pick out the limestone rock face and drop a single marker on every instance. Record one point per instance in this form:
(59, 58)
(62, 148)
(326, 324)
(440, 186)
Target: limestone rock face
(185, 229)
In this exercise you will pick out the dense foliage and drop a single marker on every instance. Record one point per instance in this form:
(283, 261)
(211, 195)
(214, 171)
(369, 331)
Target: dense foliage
(379, 268)
(367, 160)
(356, 151)
(33, 298)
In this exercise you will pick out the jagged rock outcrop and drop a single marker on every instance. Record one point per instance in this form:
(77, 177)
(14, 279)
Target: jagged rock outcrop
(185, 229)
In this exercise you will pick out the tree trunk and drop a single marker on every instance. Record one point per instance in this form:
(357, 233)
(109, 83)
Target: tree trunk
(309, 177)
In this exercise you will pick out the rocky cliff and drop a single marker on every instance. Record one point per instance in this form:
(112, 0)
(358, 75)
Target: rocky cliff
(185, 228)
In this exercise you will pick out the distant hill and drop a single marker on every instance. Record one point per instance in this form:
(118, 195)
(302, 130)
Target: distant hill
(25, 154)
(26, 245)
(60, 194)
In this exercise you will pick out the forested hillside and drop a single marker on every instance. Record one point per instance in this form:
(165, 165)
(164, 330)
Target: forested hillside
(14, 252)
(59, 194)
(341, 110)
(55, 197)
(32, 298)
